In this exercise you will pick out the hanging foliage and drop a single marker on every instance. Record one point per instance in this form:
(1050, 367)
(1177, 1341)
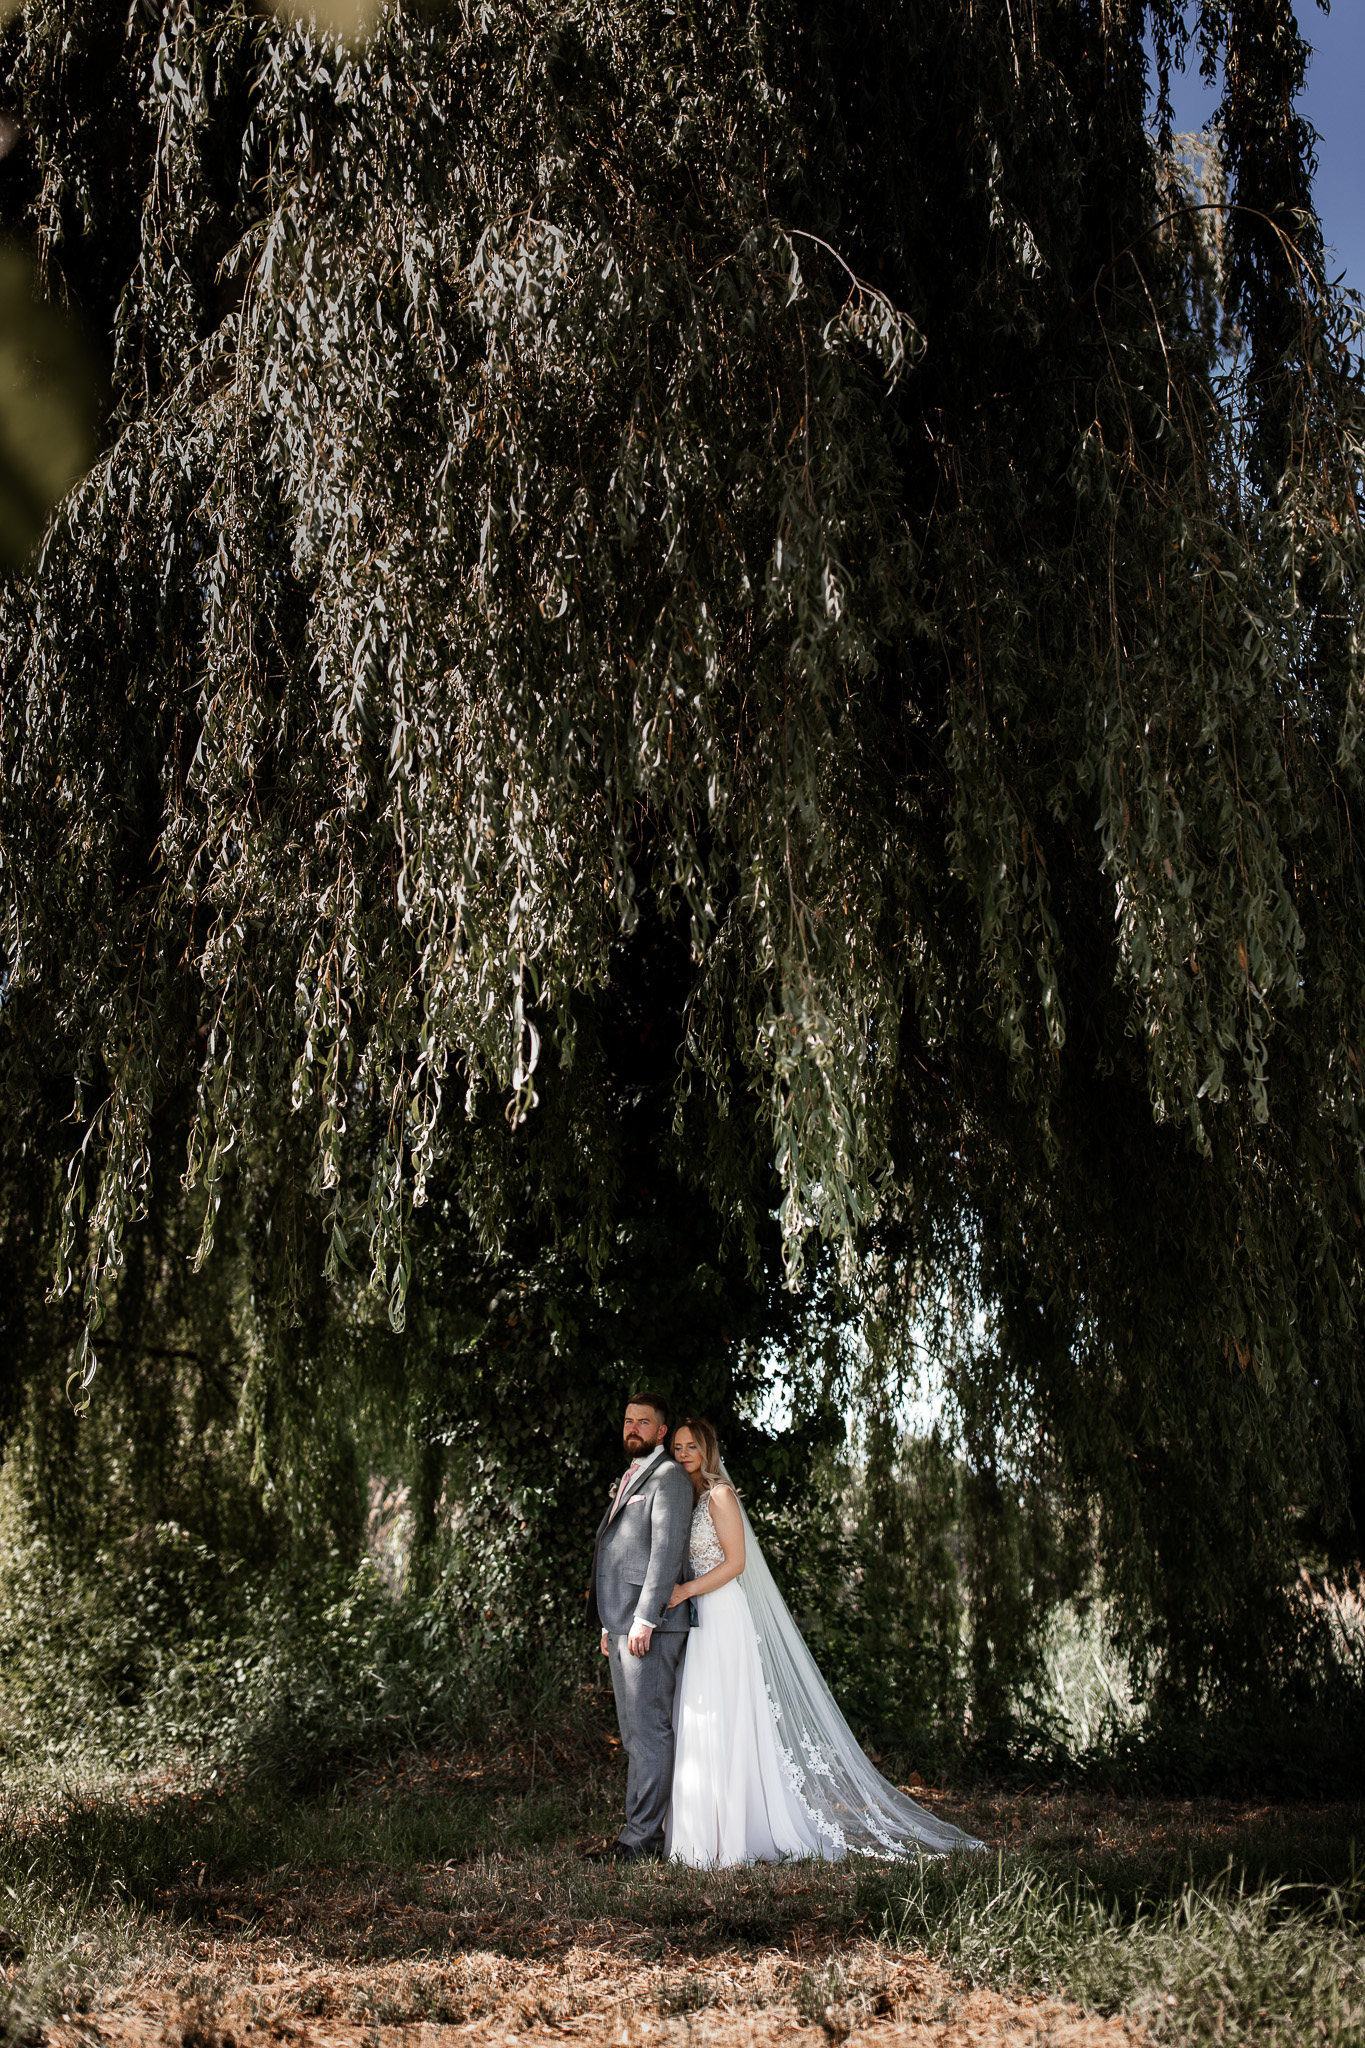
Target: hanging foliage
(833, 480)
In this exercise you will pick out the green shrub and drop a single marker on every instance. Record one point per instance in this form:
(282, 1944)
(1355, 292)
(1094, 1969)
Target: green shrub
(156, 1650)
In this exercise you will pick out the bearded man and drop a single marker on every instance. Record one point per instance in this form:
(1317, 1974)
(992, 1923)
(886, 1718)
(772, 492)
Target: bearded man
(640, 1555)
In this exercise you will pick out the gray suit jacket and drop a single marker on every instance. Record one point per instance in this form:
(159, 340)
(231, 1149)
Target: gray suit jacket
(641, 1552)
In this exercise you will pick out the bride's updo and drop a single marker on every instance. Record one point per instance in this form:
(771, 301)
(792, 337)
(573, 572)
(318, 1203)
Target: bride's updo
(708, 1443)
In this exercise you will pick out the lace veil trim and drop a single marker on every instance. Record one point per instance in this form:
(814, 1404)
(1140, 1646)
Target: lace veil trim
(852, 1806)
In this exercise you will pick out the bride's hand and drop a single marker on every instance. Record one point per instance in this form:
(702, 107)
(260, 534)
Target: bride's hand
(677, 1596)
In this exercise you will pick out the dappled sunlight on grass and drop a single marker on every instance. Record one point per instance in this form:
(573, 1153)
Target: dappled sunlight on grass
(452, 1892)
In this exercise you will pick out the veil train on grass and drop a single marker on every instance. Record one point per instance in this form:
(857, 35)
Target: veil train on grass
(854, 1807)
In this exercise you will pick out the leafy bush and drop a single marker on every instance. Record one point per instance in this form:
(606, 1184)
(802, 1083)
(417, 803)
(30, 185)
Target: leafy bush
(125, 1655)
(362, 1673)
(157, 1650)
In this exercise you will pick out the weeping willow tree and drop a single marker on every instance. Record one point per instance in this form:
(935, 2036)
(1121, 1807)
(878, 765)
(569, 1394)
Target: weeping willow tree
(769, 589)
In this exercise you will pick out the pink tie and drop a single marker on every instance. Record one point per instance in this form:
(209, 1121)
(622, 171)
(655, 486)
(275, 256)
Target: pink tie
(633, 1466)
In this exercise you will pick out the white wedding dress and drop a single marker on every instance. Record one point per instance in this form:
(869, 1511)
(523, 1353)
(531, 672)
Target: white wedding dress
(765, 1765)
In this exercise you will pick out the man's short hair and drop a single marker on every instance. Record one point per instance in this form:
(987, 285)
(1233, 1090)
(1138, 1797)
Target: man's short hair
(654, 1401)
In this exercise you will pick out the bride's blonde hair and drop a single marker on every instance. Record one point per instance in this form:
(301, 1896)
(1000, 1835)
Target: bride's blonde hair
(708, 1443)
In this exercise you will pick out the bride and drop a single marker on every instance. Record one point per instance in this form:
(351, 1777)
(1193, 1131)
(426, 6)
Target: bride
(765, 1765)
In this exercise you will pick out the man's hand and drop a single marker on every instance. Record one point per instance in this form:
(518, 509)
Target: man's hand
(606, 1646)
(639, 1639)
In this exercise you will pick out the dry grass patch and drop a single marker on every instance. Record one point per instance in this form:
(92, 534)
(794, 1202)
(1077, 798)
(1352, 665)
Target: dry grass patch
(435, 1904)
(236, 1996)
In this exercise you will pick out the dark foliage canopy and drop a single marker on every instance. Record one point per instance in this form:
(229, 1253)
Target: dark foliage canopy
(762, 597)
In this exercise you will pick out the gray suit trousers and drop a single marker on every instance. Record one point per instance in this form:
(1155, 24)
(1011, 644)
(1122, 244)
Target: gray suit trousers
(645, 1688)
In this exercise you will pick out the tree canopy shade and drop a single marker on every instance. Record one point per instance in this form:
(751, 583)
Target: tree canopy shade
(786, 556)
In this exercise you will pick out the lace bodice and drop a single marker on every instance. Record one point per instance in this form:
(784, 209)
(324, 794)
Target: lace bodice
(704, 1544)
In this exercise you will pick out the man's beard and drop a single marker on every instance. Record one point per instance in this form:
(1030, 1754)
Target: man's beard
(635, 1444)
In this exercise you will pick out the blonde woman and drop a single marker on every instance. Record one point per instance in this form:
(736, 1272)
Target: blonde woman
(765, 1765)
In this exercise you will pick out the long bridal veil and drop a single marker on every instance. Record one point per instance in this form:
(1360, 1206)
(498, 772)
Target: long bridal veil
(852, 1804)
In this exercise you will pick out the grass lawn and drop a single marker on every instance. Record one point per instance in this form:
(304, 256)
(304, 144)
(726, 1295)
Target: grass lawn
(449, 1895)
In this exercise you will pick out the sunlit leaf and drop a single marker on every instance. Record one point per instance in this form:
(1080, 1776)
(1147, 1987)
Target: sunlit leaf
(352, 20)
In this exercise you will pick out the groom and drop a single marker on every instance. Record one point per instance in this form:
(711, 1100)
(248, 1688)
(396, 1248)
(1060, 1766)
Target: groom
(641, 1555)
